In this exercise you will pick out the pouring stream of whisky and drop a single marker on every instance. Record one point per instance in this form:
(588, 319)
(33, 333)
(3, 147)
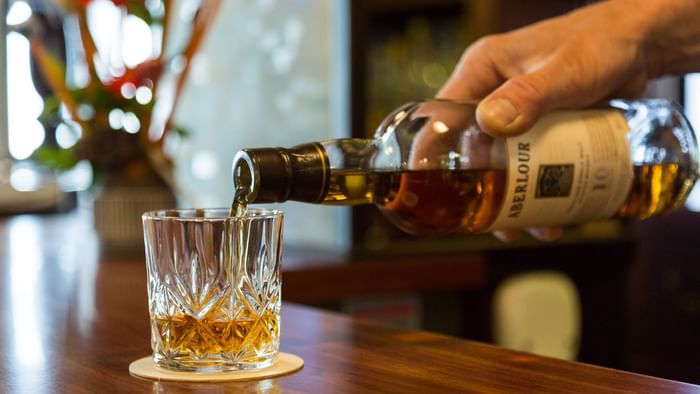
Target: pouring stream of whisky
(240, 203)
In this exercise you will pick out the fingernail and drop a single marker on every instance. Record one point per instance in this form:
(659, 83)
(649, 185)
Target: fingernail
(548, 234)
(500, 111)
(507, 236)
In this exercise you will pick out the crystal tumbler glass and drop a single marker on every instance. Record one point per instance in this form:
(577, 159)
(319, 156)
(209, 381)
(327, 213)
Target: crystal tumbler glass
(213, 288)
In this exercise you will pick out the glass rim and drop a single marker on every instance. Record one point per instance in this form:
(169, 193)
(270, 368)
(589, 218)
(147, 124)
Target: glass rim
(218, 214)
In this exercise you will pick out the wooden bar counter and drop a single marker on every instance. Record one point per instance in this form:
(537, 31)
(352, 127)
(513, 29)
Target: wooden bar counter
(72, 322)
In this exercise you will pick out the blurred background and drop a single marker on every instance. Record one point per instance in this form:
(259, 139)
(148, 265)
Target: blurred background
(203, 79)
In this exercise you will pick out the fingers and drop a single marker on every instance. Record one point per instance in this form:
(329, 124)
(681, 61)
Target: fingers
(476, 74)
(547, 234)
(574, 76)
(513, 99)
(515, 106)
(507, 235)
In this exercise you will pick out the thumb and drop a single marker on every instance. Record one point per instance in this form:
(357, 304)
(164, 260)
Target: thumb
(514, 107)
(517, 104)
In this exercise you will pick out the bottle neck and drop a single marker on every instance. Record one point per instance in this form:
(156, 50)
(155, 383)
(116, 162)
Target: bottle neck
(266, 175)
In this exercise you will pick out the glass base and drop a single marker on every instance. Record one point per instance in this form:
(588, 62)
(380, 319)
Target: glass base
(213, 364)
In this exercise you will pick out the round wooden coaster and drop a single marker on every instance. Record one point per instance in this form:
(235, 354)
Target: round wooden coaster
(146, 368)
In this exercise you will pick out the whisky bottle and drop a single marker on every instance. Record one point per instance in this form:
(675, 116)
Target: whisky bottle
(431, 170)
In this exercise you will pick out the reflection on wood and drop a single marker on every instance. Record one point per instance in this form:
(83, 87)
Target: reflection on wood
(71, 322)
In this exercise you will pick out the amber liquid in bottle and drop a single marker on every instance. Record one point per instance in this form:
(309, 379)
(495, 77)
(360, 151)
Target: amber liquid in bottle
(657, 189)
(425, 202)
(468, 201)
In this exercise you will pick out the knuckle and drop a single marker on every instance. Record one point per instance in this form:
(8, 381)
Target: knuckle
(486, 44)
(483, 52)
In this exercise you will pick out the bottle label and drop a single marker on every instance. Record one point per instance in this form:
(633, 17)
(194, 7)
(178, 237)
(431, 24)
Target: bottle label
(571, 167)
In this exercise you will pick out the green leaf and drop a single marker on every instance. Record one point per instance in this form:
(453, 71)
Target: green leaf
(140, 10)
(181, 131)
(50, 112)
(56, 158)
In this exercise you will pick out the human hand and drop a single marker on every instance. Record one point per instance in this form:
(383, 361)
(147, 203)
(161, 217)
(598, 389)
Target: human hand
(610, 49)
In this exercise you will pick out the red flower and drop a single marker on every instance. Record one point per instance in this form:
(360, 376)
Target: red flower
(85, 3)
(143, 74)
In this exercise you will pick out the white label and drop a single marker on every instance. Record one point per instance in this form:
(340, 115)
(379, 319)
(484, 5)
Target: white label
(571, 167)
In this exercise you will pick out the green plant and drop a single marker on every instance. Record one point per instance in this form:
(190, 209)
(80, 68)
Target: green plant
(122, 128)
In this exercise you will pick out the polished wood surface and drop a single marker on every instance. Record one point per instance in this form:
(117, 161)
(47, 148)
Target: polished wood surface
(321, 277)
(72, 322)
